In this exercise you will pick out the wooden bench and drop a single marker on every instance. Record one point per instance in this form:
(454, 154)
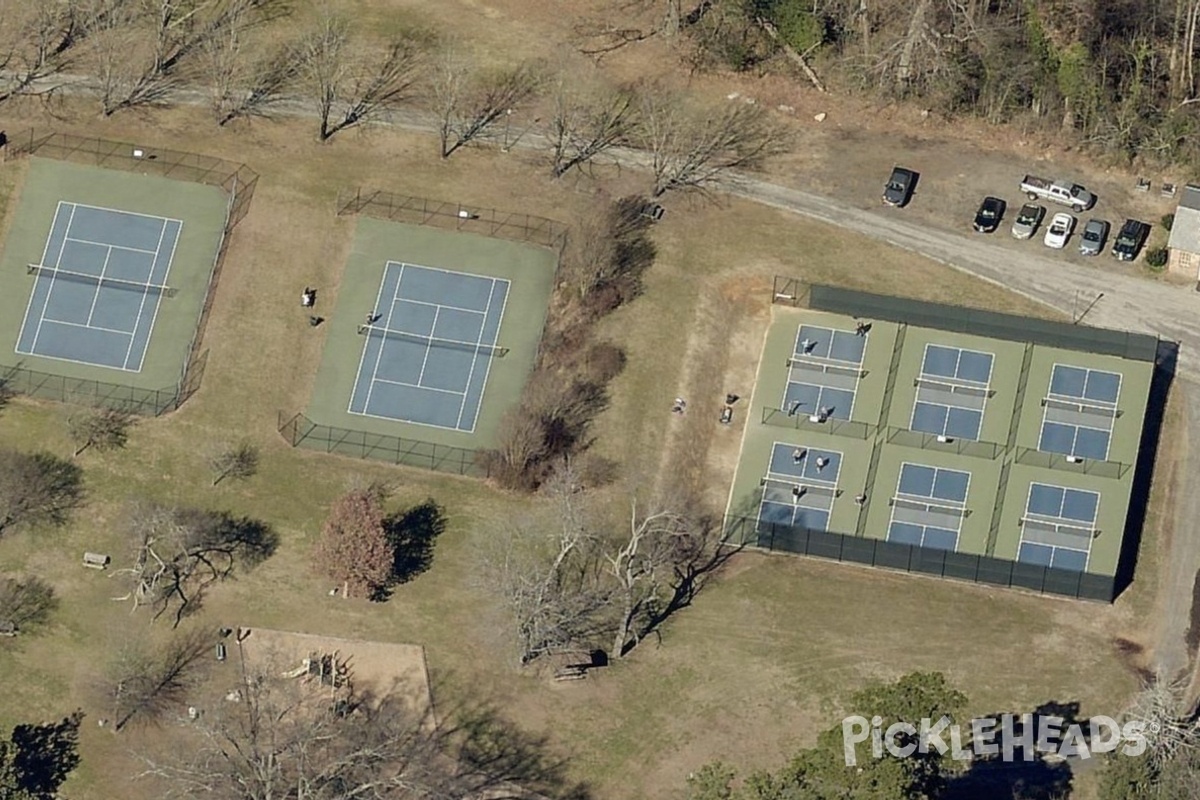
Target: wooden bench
(96, 560)
(572, 673)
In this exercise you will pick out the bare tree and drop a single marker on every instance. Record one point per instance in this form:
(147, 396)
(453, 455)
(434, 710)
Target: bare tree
(285, 738)
(102, 429)
(543, 570)
(37, 489)
(179, 552)
(353, 83)
(143, 682)
(610, 249)
(238, 461)
(26, 603)
(469, 101)
(692, 148)
(587, 122)
(143, 52)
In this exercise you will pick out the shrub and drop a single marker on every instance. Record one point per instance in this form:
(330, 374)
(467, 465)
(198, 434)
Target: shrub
(1168, 220)
(1156, 257)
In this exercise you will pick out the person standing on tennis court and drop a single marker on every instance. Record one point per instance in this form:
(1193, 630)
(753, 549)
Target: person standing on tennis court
(806, 346)
(798, 455)
(371, 317)
(861, 327)
(822, 462)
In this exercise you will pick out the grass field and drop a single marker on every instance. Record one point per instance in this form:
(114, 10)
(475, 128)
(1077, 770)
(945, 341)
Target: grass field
(755, 667)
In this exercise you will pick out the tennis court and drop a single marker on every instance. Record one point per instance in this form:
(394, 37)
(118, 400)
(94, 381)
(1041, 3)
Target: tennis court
(952, 392)
(823, 372)
(1058, 526)
(1079, 411)
(428, 348)
(800, 486)
(99, 286)
(929, 506)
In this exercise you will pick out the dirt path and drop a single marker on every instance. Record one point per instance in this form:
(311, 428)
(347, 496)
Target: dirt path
(1129, 302)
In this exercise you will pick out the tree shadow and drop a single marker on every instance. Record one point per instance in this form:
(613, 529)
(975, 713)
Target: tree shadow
(411, 535)
(1020, 771)
(504, 761)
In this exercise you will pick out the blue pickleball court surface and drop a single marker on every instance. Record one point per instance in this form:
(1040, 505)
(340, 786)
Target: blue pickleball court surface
(427, 355)
(99, 286)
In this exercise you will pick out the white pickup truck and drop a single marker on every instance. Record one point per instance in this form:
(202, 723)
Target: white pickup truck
(1064, 192)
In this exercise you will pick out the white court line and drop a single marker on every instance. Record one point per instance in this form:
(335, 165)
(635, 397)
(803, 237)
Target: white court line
(32, 292)
(158, 300)
(406, 419)
(487, 370)
(145, 295)
(363, 358)
(447, 272)
(100, 278)
(475, 360)
(115, 246)
(428, 347)
(416, 386)
(443, 305)
(89, 327)
(50, 289)
(129, 213)
(74, 361)
(387, 324)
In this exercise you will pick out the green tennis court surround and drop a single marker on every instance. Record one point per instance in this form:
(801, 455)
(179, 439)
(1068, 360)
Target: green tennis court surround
(1002, 453)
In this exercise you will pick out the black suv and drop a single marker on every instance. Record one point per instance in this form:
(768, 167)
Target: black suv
(1130, 240)
(899, 188)
(990, 212)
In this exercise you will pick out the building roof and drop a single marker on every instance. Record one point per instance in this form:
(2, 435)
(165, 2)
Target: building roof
(1185, 232)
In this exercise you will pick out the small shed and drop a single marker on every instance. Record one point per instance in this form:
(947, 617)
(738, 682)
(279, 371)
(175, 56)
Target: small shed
(1184, 242)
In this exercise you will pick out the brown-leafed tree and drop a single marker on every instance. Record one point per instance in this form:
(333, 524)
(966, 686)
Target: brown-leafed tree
(353, 548)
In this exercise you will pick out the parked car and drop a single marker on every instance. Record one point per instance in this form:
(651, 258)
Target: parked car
(1095, 234)
(990, 212)
(1061, 225)
(1064, 192)
(1027, 221)
(899, 188)
(1130, 239)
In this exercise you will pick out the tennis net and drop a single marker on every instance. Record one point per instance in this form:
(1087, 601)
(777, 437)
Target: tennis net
(433, 341)
(793, 491)
(1072, 528)
(953, 388)
(1080, 407)
(928, 505)
(826, 368)
(58, 274)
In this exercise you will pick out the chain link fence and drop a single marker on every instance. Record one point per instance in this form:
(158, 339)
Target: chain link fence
(300, 431)
(453, 216)
(237, 181)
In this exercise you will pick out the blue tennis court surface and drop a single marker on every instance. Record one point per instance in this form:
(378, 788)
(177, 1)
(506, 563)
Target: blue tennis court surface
(427, 355)
(823, 372)
(1058, 526)
(99, 285)
(800, 487)
(1079, 412)
(929, 506)
(952, 392)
